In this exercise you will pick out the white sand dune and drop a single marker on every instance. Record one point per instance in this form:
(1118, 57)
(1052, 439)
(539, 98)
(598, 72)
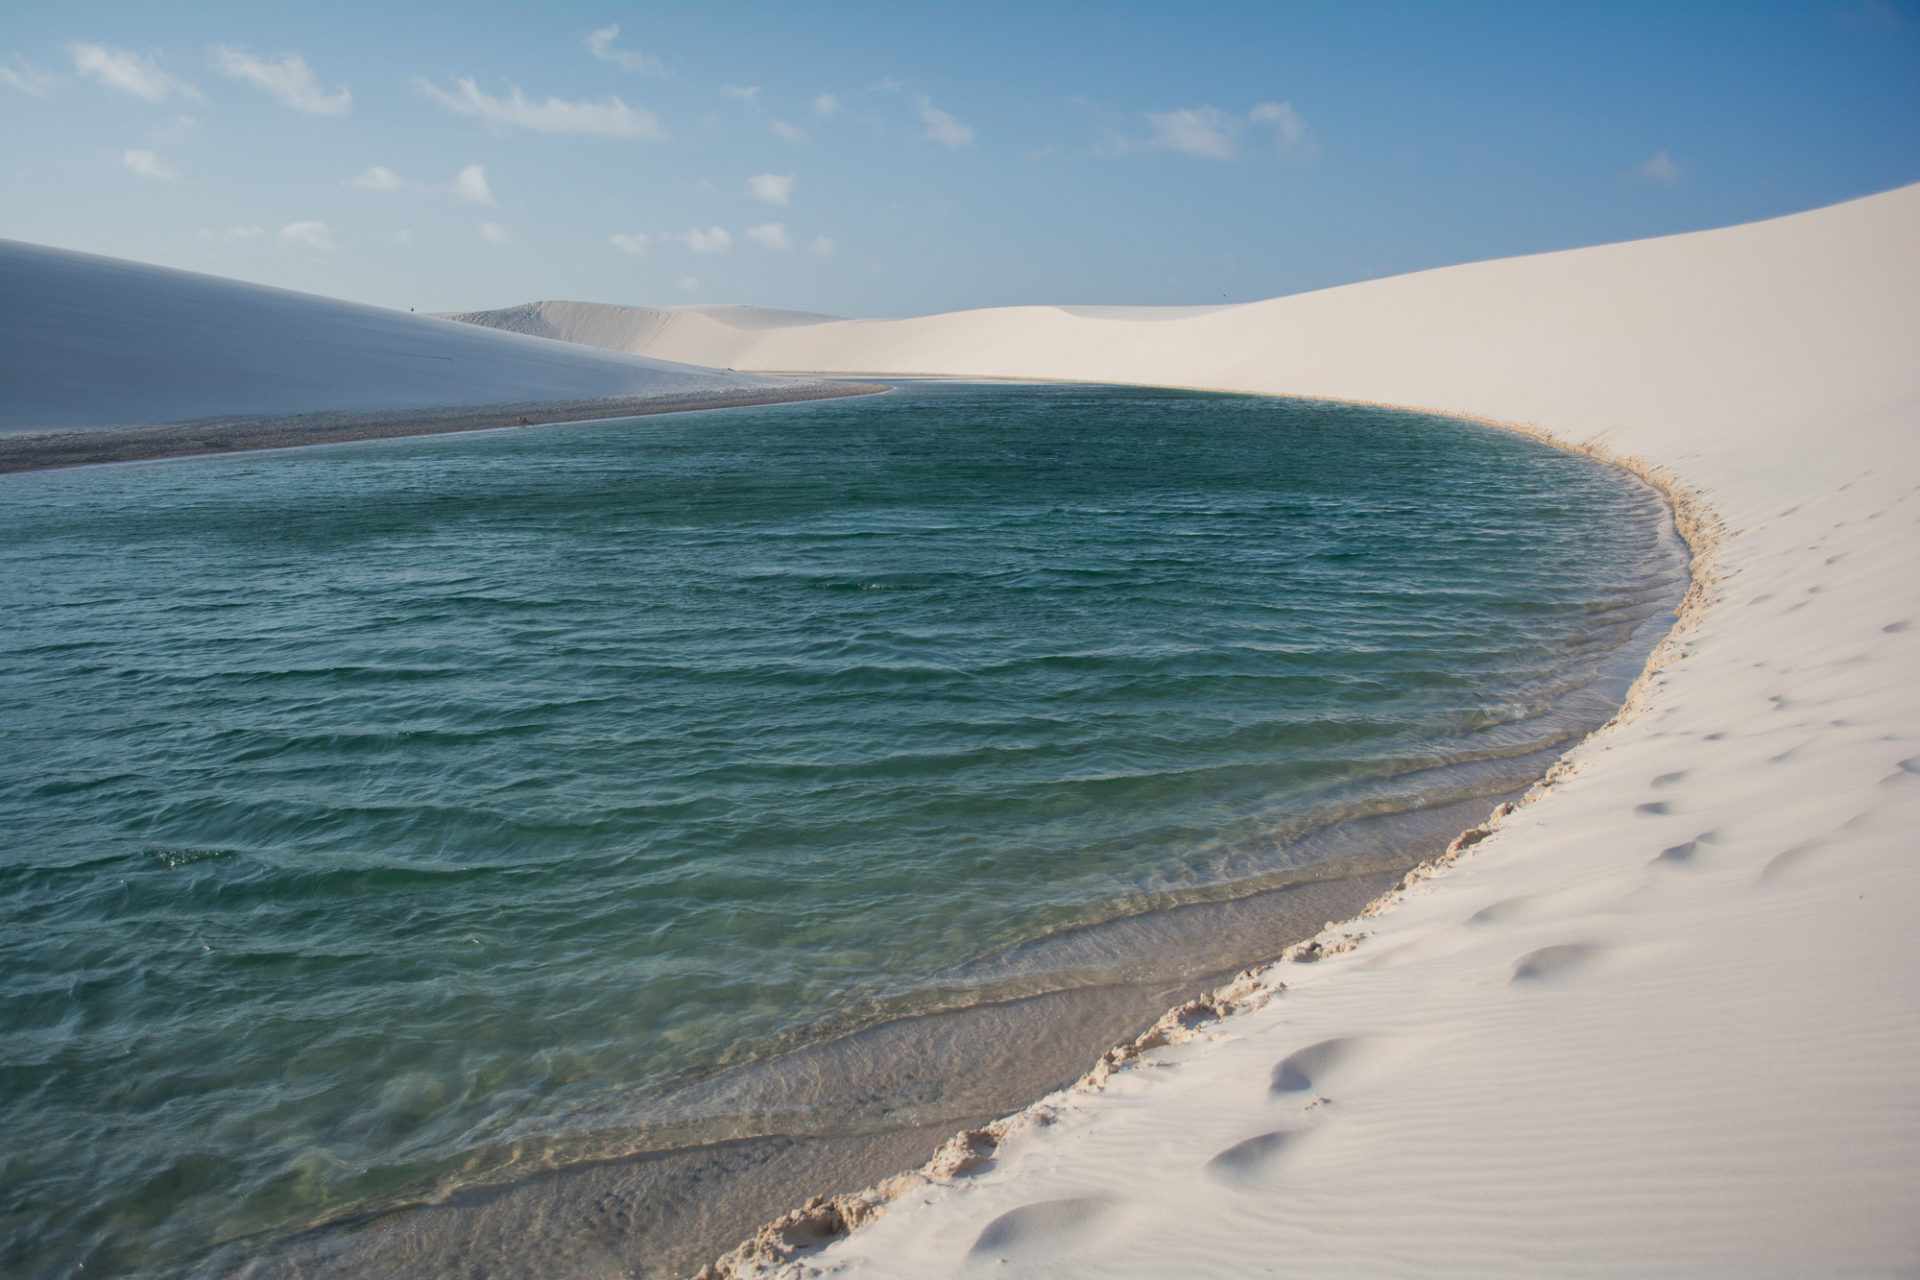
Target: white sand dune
(1665, 1020)
(88, 342)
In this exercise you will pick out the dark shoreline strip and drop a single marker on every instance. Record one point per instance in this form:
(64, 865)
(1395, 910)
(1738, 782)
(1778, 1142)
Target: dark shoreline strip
(89, 447)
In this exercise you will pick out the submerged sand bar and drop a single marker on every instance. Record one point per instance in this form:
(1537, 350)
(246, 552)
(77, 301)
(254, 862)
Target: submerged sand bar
(1661, 1021)
(46, 450)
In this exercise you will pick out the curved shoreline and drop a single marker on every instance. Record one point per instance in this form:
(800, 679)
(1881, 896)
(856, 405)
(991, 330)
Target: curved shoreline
(1602, 1044)
(672, 1170)
(822, 1219)
(42, 451)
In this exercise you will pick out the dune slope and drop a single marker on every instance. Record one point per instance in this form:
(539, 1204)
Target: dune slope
(1661, 1021)
(90, 343)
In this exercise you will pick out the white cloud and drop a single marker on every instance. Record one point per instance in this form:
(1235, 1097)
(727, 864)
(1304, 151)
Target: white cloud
(1661, 168)
(233, 233)
(820, 245)
(146, 164)
(27, 78)
(1213, 134)
(826, 106)
(712, 240)
(771, 235)
(378, 178)
(941, 127)
(638, 242)
(132, 73)
(494, 233)
(403, 238)
(749, 94)
(791, 132)
(472, 184)
(310, 235)
(610, 118)
(600, 45)
(688, 284)
(1198, 131)
(774, 188)
(1292, 139)
(290, 79)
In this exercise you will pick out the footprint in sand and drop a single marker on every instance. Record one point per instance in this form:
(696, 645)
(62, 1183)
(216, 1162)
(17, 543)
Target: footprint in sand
(1245, 1165)
(1680, 855)
(1653, 809)
(1673, 779)
(1895, 628)
(1303, 1069)
(1550, 965)
(1904, 772)
(1685, 855)
(1784, 863)
(1038, 1230)
(1502, 912)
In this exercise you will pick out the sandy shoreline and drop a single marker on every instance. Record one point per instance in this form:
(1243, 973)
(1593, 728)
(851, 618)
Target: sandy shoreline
(796, 1235)
(40, 451)
(865, 1099)
(1660, 1022)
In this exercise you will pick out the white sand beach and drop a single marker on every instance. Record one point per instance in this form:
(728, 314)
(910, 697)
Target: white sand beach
(1665, 1018)
(93, 344)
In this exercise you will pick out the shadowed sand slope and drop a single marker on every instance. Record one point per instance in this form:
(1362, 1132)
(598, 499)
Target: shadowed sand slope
(90, 343)
(1661, 1020)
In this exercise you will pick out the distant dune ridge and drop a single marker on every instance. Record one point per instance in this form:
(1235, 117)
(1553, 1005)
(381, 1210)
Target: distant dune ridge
(1660, 1021)
(96, 344)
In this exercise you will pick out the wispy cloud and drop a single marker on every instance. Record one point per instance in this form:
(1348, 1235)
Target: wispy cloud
(771, 235)
(788, 130)
(1661, 168)
(402, 238)
(1198, 131)
(941, 127)
(600, 45)
(494, 233)
(290, 79)
(1292, 138)
(253, 232)
(27, 78)
(774, 188)
(712, 240)
(134, 73)
(147, 165)
(609, 118)
(472, 184)
(378, 178)
(308, 235)
(636, 242)
(826, 106)
(820, 245)
(1213, 134)
(688, 284)
(747, 93)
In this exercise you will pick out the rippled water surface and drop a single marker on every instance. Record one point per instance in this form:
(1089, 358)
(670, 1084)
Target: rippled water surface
(384, 819)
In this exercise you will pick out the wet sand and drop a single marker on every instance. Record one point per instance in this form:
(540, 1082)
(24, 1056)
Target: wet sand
(47, 450)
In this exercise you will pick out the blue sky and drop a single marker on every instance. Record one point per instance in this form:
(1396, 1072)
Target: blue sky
(890, 159)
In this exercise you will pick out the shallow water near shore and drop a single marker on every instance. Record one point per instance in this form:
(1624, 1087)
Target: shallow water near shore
(541, 851)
